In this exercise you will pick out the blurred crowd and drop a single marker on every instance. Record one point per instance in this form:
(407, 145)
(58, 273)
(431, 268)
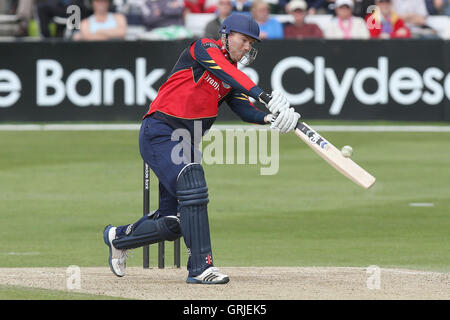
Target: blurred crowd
(278, 19)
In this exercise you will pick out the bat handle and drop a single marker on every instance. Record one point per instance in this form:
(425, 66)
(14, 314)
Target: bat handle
(265, 98)
(274, 117)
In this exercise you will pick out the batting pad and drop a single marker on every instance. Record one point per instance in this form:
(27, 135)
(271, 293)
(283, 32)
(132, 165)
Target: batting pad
(150, 231)
(192, 194)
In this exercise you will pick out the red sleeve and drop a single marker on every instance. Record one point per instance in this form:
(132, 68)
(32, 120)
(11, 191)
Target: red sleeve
(398, 25)
(208, 53)
(194, 7)
(318, 32)
(286, 32)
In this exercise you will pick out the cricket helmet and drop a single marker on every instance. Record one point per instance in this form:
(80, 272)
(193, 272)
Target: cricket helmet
(242, 23)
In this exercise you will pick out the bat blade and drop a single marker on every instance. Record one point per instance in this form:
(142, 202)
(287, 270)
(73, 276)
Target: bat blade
(333, 156)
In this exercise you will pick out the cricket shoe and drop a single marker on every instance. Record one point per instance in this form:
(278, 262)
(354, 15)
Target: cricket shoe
(212, 275)
(117, 258)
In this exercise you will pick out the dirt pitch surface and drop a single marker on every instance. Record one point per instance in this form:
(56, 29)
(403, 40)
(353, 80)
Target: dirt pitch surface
(259, 283)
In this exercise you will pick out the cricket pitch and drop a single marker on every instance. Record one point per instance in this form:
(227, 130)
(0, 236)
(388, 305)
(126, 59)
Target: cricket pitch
(255, 283)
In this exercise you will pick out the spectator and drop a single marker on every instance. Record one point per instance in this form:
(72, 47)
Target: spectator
(277, 6)
(163, 13)
(315, 6)
(345, 25)
(242, 5)
(270, 28)
(198, 6)
(383, 23)
(360, 7)
(438, 7)
(163, 20)
(132, 9)
(102, 24)
(47, 10)
(224, 8)
(446, 34)
(282, 5)
(25, 14)
(299, 29)
(413, 12)
(329, 6)
(363, 8)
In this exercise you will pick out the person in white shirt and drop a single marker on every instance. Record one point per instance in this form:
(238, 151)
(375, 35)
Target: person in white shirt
(446, 34)
(413, 12)
(102, 24)
(345, 25)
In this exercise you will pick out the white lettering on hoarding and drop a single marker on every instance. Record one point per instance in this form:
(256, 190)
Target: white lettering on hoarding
(11, 86)
(430, 78)
(281, 68)
(51, 89)
(379, 75)
(404, 86)
(405, 79)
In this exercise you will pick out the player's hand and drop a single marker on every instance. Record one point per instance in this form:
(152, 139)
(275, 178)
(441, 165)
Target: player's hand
(269, 118)
(286, 121)
(278, 103)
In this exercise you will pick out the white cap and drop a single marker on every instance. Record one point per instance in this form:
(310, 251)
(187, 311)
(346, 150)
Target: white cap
(340, 3)
(297, 4)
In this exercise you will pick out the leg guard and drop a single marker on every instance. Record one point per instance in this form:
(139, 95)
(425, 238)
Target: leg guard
(192, 195)
(150, 231)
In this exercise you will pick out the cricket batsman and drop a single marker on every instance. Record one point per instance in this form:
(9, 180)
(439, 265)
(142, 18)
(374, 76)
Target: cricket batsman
(204, 76)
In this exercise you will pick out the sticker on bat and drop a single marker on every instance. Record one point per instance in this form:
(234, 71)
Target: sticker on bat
(324, 145)
(314, 138)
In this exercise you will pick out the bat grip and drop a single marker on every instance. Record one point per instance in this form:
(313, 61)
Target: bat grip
(274, 117)
(265, 97)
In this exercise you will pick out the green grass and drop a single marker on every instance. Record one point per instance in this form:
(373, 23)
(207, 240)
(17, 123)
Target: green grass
(59, 189)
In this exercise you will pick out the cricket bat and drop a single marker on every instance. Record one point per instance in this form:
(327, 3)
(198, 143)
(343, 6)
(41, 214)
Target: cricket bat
(333, 156)
(328, 152)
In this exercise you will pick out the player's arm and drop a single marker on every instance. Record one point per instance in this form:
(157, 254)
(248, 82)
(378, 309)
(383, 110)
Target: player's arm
(119, 31)
(209, 55)
(284, 122)
(241, 105)
(85, 33)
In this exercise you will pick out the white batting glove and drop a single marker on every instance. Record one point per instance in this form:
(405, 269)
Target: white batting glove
(278, 103)
(286, 121)
(269, 118)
